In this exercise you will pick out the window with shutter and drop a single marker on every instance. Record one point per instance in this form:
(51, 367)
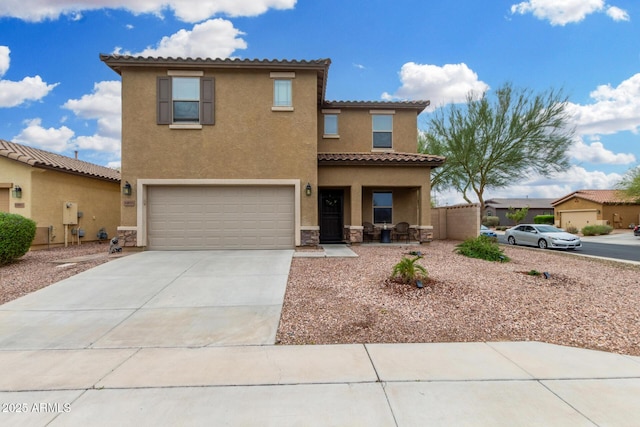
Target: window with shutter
(184, 100)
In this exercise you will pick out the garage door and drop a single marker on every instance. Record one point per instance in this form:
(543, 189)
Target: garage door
(578, 219)
(207, 217)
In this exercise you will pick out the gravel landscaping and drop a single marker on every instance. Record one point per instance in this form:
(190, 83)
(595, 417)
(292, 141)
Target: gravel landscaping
(584, 303)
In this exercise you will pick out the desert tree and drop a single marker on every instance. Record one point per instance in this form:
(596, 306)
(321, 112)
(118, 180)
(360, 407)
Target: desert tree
(494, 143)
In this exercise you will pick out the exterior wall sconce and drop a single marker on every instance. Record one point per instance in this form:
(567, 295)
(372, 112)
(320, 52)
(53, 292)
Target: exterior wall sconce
(17, 192)
(307, 189)
(126, 189)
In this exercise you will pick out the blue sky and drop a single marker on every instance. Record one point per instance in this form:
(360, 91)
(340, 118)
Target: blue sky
(57, 95)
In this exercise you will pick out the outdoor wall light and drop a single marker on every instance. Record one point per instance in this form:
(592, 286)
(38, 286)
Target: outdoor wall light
(307, 189)
(126, 189)
(17, 192)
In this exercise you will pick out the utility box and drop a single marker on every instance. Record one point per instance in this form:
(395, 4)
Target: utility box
(70, 213)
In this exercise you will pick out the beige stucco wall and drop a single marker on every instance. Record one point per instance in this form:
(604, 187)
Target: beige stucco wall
(356, 131)
(621, 216)
(45, 191)
(459, 222)
(98, 200)
(248, 140)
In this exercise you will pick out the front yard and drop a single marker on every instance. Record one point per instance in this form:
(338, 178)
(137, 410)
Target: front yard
(585, 303)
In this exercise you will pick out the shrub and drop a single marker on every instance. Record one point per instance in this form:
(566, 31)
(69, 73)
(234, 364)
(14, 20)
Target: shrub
(409, 271)
(482, 247)
(594, 230)
(571, 229)
(16, 235)
(490, 221)
(544, 219)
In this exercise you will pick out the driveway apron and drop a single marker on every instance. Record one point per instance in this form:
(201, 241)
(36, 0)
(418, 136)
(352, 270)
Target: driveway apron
(155, 299)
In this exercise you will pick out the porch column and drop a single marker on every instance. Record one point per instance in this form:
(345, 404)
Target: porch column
(355, 229)
(425, 229)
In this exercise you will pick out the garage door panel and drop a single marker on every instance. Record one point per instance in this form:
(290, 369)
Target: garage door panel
(208, 217)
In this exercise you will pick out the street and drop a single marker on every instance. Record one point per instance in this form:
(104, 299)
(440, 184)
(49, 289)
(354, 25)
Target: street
(620, 245)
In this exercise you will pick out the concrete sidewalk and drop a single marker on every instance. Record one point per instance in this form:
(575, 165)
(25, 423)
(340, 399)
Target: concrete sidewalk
(186, 338)
(479, 384)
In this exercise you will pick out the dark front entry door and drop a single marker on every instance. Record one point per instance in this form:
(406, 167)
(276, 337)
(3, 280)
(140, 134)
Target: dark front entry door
(331, 216)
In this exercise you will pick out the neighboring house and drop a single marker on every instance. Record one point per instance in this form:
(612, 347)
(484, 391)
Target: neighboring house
(596, 207)
(231, 153)
(500, 208)
(53, 190)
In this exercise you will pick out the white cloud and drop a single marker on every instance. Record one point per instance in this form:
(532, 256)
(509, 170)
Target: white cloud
(617, 14)
(215, 38)
(185, 10)
(103, 105)
(51, 139)
(14, 93)
(4, 59)
(450, 83)
(562, 12)
(615, 109)
(596, 153)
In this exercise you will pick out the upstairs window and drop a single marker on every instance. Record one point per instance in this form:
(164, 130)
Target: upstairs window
(184, 99)
(330, 124)
(382, 207)
(282, 93)
(382, 130)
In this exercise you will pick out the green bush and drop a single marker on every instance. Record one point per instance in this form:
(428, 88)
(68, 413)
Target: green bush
(571, 229)
(408, 271)
(16, 235)
(490, 221)
(544, 219)
(482, 247)
(595, 230)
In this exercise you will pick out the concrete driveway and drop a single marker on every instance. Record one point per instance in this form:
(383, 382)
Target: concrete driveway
(155, 299)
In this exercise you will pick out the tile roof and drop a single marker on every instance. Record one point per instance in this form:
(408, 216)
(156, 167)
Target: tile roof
(519, 203)
(417, 105)
(382, 158)
(598, 196)
(46, 160)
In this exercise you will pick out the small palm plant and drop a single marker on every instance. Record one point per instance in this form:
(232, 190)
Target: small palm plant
(409, 271)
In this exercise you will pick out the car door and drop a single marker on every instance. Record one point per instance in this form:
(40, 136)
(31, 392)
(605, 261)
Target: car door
(529, 235)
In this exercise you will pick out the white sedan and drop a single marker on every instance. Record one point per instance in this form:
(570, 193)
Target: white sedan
(542, 236)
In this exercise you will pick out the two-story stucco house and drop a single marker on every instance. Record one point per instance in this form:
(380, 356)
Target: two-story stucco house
(231, 153)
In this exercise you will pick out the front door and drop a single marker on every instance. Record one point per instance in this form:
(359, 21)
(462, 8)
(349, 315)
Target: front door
(331, 215)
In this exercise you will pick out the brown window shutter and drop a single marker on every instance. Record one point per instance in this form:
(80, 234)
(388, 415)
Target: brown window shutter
(206, 101)
(164, 100)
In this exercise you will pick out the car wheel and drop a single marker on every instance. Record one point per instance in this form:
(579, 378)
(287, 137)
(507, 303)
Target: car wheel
(511, 240)
(542, 244)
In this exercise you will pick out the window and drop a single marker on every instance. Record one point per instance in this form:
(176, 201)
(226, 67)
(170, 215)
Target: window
(185, 100)
(382, 207)
(282, 93)
(382, 130)
(331, 124)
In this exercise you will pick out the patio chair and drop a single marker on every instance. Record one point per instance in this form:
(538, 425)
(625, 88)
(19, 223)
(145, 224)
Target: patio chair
(401, 230)
(368, 231)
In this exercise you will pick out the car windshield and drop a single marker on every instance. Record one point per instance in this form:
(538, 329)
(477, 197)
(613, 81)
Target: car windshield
(482, 227)
(548, 229)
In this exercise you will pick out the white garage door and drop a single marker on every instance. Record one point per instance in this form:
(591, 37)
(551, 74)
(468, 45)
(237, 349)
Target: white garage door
(207, 217)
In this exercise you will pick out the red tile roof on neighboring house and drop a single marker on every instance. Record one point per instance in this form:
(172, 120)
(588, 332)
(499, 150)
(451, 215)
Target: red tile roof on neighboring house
(606, 197)
(46, 160)
(383, 158)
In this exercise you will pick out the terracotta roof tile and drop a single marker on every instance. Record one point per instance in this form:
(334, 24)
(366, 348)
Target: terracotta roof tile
(383, 158)
(598, 196)
(44, 159)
